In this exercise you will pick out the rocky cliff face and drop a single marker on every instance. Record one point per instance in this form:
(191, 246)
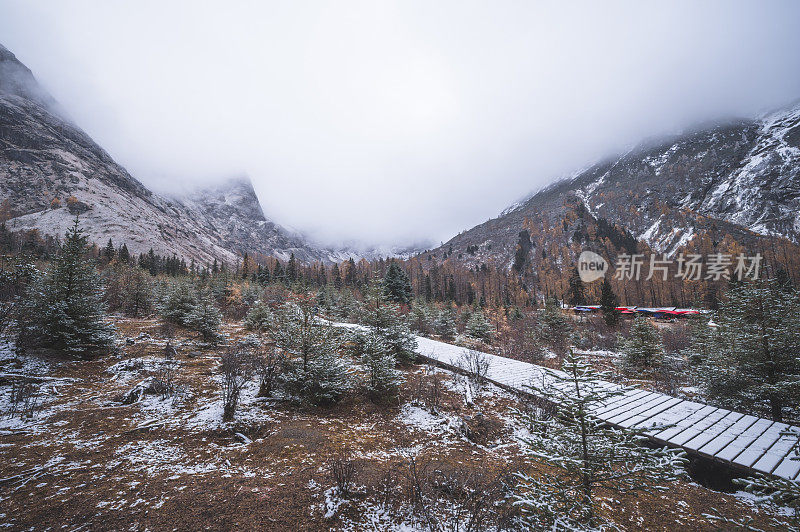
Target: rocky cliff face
(741, 178)
(50, 171)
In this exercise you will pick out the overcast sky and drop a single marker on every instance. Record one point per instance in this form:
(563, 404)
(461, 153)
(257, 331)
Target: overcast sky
(391, 122)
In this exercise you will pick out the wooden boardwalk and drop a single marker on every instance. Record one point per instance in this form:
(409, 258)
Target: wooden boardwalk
(742, 441)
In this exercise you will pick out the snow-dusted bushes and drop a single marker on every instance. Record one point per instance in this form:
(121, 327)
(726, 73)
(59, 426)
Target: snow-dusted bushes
(259, 317)
(191, 307)
(479, 328)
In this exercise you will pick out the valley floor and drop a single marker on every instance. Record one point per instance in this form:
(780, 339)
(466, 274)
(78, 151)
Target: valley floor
(85, 461)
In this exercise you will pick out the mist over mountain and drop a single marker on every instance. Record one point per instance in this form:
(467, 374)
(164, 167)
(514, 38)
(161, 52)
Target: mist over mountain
(739, 178)
(51, 171)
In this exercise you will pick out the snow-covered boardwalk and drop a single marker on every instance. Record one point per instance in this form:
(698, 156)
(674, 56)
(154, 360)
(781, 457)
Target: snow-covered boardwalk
(739, 440)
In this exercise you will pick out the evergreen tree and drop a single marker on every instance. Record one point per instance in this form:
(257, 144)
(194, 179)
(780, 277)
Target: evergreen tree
(245, 266)
(291, 269)
(337, 277)
(703, 340)
(389, 323)
(124, 254)
(139, 296)
(781, 492)
(206, 318)
(589, 457)
(478, 327)
(643, 350)
(383, 379)
(576, 294)
(109, 252)
(445, 324)
(554, 329)
(178, 303)
(64, 308)
(754, 366)
(350, 273)
(317, 373)
(259, 317)
(608, 304)
(396, 285)
(278, 273)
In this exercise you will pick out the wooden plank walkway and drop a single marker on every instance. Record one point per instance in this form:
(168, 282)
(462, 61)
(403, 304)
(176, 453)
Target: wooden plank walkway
(742, 441)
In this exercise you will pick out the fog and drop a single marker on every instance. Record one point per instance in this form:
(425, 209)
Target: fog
(396, 122)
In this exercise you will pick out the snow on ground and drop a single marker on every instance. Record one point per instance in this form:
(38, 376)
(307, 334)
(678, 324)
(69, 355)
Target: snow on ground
(420, 419)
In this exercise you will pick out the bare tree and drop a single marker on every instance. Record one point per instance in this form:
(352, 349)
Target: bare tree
(268, 365)
(237, 368)
(474, 366)
(24, 397)
(429, 390)
(343, 471)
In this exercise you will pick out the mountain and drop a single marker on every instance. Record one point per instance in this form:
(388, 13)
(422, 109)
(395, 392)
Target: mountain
(739, 179)
(50, 170)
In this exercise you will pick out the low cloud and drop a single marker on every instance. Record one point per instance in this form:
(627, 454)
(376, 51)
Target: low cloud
(390, 123)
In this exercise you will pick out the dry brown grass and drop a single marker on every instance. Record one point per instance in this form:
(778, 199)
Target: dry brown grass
(267, 484)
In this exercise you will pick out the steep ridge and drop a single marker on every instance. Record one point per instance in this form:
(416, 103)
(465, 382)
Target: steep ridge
(51, 171)
(739, 178)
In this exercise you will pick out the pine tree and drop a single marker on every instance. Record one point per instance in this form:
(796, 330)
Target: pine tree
(778, 491)
(396, 285)
(703, 340)
(317, 373)
(576, 294)
(589, 457)
(608, 304)
(445, 324)
(109, 252)
(478, 327)
(291, 269)
(554, 329)
(389, 323)
(124, 254)
(139, 297)
(178, 303)
(350, 273)
(643, 350)
(206, 318)
(245, 266)
(259, 317)
(64, 308)
(754, 366)
(383, 379)
(337, 277)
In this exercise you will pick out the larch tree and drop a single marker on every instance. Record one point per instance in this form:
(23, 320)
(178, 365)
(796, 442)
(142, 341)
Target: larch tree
(590, 458)
(64, 308)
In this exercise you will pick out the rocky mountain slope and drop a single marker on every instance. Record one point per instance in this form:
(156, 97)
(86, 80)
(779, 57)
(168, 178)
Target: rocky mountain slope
(50, 170)
(740, 178)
